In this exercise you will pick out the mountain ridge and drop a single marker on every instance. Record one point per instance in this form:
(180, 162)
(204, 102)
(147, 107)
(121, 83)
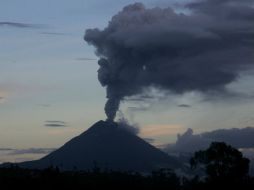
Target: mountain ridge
(108, 146)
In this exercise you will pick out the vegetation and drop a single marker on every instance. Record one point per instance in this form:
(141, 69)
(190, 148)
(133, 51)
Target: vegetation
(222, 161)
(225, 167)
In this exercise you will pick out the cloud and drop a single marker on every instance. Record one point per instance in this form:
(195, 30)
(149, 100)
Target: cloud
(6, 149)
(2, 99)
(141, 108)
(31, 151)
(160, 130)
(189, 142)
(184, 105)
(3, 96)
(55, 123)
(44, 105)
(20, 25)
(56, 33)
(248, 152)
(85, 59)
(125, 125)
(203, 50)
(20, 155)
(239, 138)
(149, 140)
(141, 97)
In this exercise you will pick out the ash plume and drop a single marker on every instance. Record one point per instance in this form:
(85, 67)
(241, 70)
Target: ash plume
(125, 125)
(202, 50)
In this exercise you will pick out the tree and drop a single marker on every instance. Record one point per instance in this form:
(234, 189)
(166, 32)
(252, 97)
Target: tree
(221, 161)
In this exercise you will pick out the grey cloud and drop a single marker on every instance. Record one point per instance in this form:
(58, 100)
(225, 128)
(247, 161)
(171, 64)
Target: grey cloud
(85, 59)
(248, 152)
(149, 140)
(189, 142)
(230, 9)
(31, 151)
(125, 125)
(203, 50)
(133, 99)
(56, 33)
(184, 105)
(240, 138)
(21, 25)
(55, 123)
(6, 149)
(138, 108)
(141, 97)
(44, 105)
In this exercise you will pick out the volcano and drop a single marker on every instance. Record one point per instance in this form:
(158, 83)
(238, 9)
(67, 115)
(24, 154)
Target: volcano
(106, 145)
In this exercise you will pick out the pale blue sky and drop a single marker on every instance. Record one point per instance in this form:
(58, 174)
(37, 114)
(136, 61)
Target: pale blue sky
(42, 77)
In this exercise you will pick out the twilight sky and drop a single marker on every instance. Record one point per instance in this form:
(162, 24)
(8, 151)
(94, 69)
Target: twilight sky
(49, 90)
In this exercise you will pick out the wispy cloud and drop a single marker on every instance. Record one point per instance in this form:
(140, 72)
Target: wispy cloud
(184, 105)
(20, 25)
(6, 149)
(56, 33)
(44, 105)
(2, 100)
(3, 96)
(149, 140)
(133, 108)
(141, 97)
(157, 130)
(21, 155)
(55, 123)
(85, 59)
(31, 151)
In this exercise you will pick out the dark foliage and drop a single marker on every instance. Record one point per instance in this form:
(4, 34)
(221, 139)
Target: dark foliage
(225, 166)
(222, 161)
(51, 178)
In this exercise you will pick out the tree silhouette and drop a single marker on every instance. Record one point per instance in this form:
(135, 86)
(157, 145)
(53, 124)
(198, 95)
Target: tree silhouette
(221, 161)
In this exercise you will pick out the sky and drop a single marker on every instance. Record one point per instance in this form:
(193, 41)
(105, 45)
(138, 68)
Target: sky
(49, 89)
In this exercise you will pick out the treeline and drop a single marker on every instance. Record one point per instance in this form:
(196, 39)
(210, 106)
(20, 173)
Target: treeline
(51, 178)
(224, 167)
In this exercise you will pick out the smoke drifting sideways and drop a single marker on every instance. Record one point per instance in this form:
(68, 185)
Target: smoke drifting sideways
(202, 50)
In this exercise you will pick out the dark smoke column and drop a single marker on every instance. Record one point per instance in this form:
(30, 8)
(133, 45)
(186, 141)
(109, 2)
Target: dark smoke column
(105, 76)
(111, 108)
(202, 51)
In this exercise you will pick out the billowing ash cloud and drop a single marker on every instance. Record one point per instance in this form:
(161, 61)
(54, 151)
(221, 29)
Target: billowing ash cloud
(203, 50)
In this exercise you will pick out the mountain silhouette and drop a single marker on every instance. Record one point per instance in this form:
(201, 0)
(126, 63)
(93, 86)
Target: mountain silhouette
(106, 145)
